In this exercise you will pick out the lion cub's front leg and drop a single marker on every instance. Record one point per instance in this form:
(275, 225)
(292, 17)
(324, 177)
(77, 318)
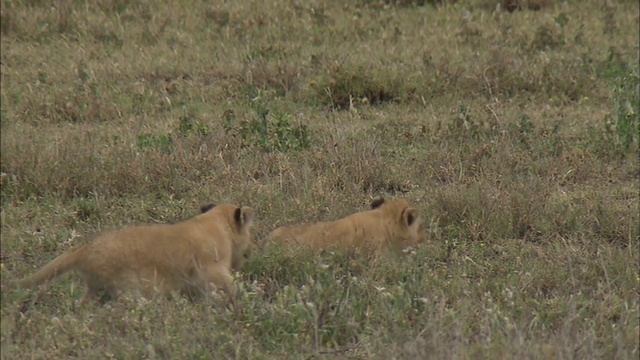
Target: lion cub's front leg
(217, 276)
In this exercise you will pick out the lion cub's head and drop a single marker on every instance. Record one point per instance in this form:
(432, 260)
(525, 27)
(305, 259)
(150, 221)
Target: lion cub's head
(240, 222)
(405, 228)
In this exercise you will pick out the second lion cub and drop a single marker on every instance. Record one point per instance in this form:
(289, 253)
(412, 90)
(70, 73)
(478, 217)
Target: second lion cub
(390, 226)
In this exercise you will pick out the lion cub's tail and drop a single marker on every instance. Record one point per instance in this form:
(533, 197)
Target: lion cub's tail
(58, 266)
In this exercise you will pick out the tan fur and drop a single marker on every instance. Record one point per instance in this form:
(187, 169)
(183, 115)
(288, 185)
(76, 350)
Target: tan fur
(390, 226)
(188, 257)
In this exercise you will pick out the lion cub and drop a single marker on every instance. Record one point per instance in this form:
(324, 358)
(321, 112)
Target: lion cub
(192, 257)
(390, 226)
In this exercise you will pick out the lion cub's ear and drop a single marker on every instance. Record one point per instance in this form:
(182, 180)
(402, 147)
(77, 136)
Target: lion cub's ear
(409, 216)
(243, 216)
(205, 208)
(376, 203)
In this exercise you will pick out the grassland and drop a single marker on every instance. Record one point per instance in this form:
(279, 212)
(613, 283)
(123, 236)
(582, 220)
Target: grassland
(515, 133)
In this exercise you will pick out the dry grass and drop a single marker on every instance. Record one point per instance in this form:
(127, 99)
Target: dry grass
(514, 129)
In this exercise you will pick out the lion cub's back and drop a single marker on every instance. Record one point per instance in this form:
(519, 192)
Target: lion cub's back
(314, 234)
(137, 247)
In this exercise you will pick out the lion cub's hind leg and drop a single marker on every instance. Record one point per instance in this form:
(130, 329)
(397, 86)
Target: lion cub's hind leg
(96, 292)
(99, 296)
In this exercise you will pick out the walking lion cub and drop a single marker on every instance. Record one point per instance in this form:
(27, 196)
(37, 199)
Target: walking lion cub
(390, 226)
(192, 257)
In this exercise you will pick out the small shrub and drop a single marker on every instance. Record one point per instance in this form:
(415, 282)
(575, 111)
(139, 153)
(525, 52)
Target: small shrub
(217, 16)
(269, 132)
(463, 125)
(548, 36)
(466, 124)
(343, 85)
(523, 130)
(614, 66)
(85, 210)
(138, 103)
(162, 142)
(189, 123)
(626, 96)
(8, 23)
(622, 129)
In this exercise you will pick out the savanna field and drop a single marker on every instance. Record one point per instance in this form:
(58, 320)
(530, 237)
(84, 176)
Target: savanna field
(512, 126)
